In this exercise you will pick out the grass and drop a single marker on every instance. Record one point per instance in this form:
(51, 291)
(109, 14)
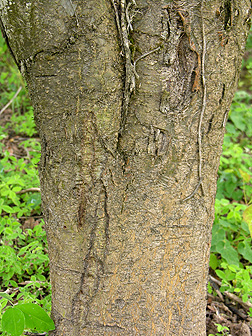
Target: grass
(24, 263)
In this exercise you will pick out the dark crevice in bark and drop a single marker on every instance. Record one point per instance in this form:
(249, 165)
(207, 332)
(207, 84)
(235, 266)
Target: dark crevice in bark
(223, 93)
(210, 124)
(106, 231)
(228, 14)
(93, 266)
(82, 210)
(128, 77)
(166, 22)
(45, 76)
(102, 142)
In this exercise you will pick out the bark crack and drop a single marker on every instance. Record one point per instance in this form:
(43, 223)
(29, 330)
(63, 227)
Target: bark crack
(93, 268)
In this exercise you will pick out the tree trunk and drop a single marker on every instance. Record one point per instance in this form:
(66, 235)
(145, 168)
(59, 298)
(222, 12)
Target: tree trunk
(131, 101)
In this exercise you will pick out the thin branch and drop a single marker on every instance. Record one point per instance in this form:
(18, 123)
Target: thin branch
(117, 20)
(218, 282)
(128, 17)
(142, 56)
(14, 97)
(35, 334)
(28, 190)
(30, 282)
(247, 305)
(204, 95)
(193, 193)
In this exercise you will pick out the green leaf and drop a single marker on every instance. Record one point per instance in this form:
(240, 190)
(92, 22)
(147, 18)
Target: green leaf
(245, 298)
(8, 209)
(6, 296)
(244, 248)
(237, 120)
(36, 317)
(221, 274)
(13, 321)
(247, 216)
(16, 188)
(246, 276)
(245, 176)
(228, 252)
(213, 263)
(218, 234)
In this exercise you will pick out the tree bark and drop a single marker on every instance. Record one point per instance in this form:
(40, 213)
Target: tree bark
(131, 101)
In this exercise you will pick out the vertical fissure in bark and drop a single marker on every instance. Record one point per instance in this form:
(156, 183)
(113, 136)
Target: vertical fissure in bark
(122, 20)
(94, 261)
(228, 14)
(199, 83)
(124, 12)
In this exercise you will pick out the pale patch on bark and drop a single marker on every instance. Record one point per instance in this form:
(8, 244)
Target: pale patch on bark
(69, 6)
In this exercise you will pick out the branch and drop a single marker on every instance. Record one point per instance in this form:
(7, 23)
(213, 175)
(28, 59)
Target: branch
(28, 190)
(7, 105)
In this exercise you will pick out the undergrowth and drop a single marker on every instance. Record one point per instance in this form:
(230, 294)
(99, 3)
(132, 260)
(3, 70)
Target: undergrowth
(24, 262)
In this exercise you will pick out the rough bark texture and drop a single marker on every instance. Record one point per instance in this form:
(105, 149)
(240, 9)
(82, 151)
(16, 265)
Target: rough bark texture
(129, 178)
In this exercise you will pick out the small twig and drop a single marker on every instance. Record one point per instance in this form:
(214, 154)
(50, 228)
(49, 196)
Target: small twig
(27, 190)
(218, 282)
(35, 334)
(216, 285)
(27, 153)
(231, 296)
(146, 54)
(247, 305)
(142, 56)
(117, 20)
(11, 290)
(225, 118)
(128, 17)
(193, 193)
(30, 282)
(8, 104)
(204, 95)
(26, 217)
(236, 311)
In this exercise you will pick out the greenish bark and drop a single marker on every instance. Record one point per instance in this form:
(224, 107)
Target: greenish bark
(131, 123)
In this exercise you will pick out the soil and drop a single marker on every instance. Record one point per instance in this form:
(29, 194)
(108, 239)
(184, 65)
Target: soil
(228, 310)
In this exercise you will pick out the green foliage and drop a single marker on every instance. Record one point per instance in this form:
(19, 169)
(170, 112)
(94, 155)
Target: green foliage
(222, 330)
(24, 263)
(13, 321)
(231, 253)
(247, 216)
(30, 316)
(236, 279)
(15, 175)
(24, 124)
